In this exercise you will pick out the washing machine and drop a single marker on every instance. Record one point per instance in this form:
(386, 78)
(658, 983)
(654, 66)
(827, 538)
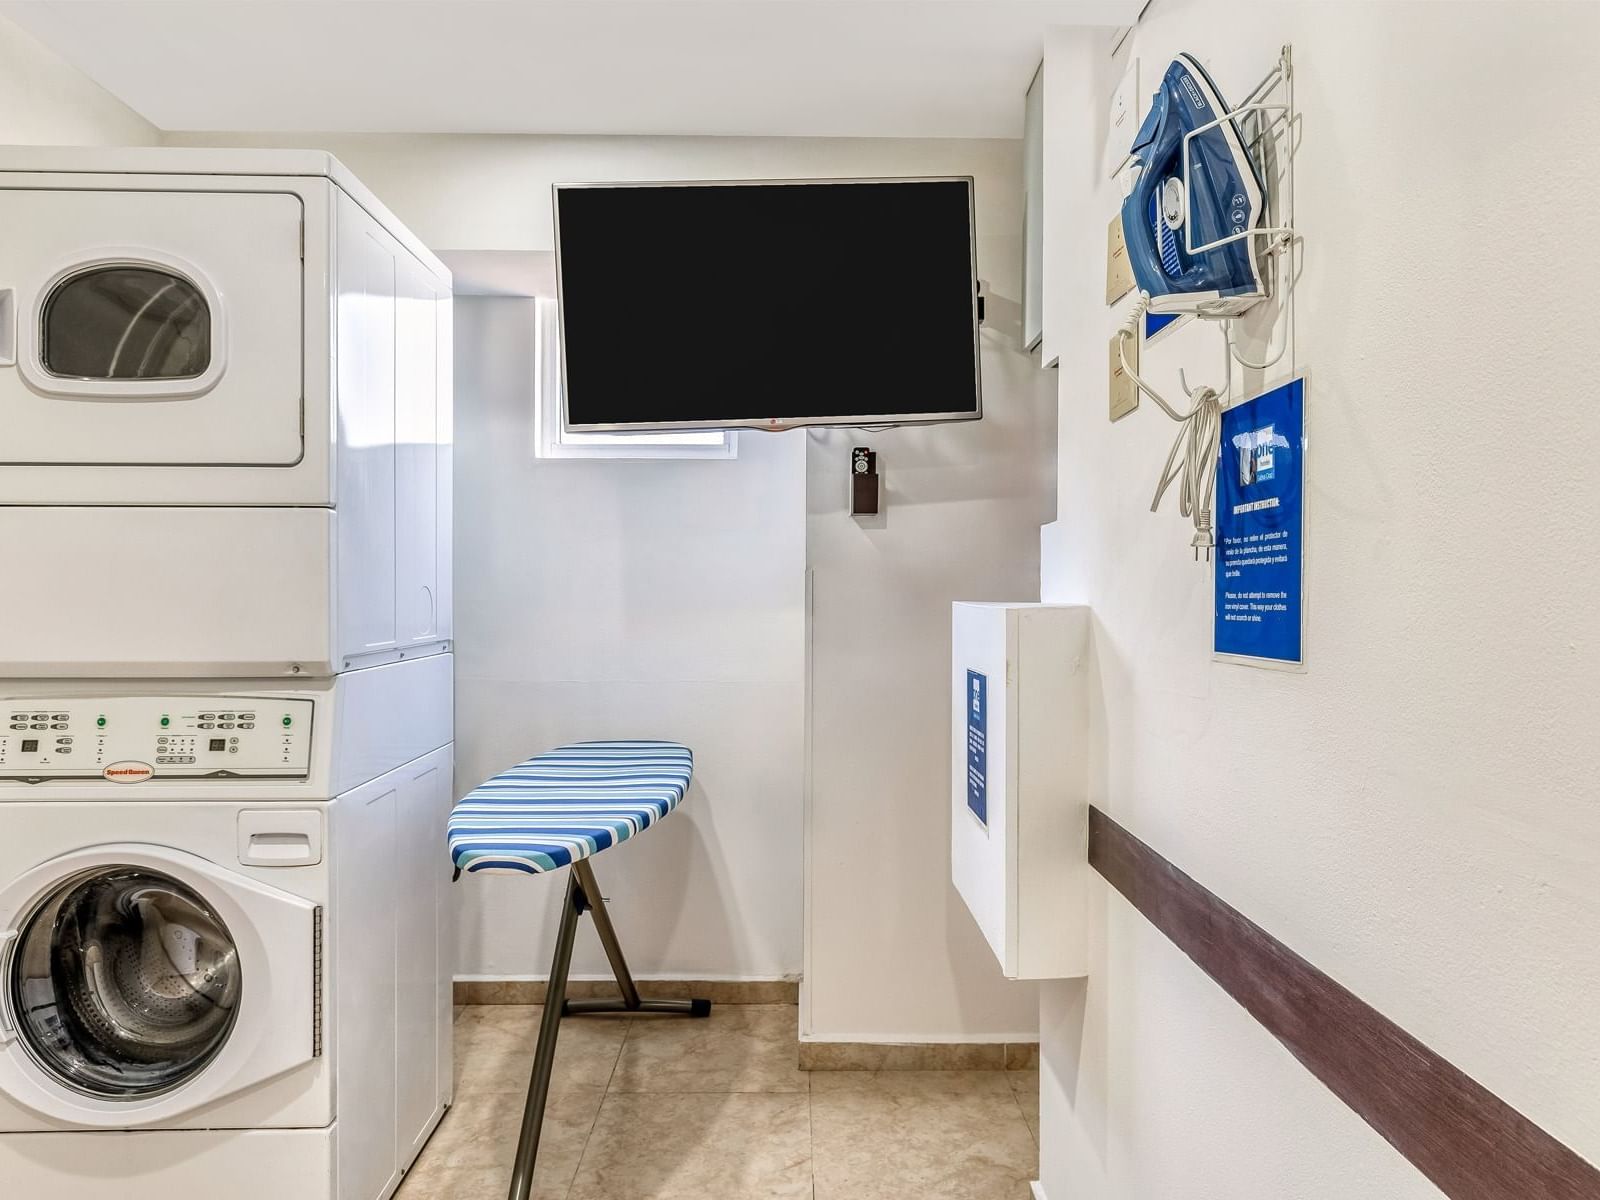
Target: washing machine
(223, 937)
(225, 414)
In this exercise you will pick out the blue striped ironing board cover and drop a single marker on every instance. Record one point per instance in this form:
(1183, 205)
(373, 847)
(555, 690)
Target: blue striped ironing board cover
(567, 804)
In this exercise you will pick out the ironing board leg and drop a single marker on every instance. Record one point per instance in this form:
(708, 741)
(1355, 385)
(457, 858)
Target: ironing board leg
(608, 934)
(630, 1001)
(545, 1057)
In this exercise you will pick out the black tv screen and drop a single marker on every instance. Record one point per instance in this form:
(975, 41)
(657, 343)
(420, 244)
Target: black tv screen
(767, 304)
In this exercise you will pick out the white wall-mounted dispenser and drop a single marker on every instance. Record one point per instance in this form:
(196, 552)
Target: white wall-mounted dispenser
(1019, 781)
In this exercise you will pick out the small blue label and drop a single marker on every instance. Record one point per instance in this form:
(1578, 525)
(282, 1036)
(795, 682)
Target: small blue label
(1155, 323)
(1260, 535)
(978, 745)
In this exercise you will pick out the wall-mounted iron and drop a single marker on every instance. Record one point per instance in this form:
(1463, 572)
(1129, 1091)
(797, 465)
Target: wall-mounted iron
(1196, 224)
(1196, 198)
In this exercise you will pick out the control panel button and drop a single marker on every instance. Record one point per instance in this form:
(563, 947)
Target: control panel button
(224, 724)
(63, 749)
(58, 725)
(19, 724)
(41, 716)
(247, 724)
(208, 724)
(63, 741)
(60, 716)
(40, 725)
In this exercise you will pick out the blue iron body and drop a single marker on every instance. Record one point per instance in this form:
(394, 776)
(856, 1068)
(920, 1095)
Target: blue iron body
(1223, 196)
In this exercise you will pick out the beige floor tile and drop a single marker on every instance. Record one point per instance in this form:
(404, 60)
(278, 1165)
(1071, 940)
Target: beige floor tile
(476, 1143)
(474, 1183)
(1026, 1086)
(494, 1049)
(1022, 1056)
(739, 1048)
(913, 1084)
(698, 1147)
(935, 1135)
(911, 1056)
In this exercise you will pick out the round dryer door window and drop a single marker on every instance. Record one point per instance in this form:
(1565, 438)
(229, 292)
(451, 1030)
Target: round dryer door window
(125, 983)
(126, 322)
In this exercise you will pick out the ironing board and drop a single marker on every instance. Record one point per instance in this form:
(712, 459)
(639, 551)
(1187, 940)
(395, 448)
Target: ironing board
(559, 809)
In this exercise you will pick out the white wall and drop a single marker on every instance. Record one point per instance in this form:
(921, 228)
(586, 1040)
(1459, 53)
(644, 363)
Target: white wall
(631, 599)
(894, 955)
(1415, 814)
(46, 102)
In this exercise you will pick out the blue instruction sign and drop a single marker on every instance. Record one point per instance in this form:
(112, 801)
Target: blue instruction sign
(978, 745)
(1260, 529)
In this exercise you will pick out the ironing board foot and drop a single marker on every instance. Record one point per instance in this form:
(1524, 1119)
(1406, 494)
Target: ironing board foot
(681, 1008)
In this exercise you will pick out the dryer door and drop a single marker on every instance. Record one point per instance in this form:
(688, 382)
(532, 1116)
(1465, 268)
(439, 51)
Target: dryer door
(151, 328)
(140, 983)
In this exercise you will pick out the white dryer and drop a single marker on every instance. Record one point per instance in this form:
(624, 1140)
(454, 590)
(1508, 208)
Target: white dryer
(224, 417)
(223, 957)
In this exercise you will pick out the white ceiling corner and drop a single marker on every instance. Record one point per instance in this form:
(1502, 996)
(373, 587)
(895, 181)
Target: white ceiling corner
(846, 68)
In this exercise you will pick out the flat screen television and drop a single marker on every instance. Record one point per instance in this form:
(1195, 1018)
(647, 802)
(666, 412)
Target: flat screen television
(767, 304)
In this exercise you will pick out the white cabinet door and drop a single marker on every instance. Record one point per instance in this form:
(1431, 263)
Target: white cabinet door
(421, 1010)
(365, 496)
(367, 884)
(416, 493)
(151, 328)
(393, 477)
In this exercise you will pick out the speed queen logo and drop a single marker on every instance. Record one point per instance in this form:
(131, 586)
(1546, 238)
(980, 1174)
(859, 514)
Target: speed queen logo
(128, 772)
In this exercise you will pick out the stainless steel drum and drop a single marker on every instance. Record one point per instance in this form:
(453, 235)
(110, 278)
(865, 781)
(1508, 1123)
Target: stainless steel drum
(125, 983)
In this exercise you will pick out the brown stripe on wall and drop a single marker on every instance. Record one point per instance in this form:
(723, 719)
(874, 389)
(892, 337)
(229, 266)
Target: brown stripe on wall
(1469, 1142)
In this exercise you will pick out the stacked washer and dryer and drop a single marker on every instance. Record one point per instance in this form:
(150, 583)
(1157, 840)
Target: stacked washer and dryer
(226, 724)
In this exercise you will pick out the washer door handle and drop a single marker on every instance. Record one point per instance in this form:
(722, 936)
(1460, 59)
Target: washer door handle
(8, 947)
(8, 327)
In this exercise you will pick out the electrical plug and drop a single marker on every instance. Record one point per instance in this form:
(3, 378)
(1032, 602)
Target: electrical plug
(1203, 539)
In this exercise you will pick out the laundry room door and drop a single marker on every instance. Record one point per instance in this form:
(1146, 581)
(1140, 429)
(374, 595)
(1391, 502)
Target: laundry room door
(151, 328)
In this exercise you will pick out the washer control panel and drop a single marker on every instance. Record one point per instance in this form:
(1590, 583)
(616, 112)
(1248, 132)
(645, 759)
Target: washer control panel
(129, 739)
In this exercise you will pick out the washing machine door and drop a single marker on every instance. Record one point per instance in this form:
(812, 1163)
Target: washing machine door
(151, 328)
(141, 983)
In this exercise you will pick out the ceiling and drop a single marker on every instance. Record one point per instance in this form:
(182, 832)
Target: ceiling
(848, 68)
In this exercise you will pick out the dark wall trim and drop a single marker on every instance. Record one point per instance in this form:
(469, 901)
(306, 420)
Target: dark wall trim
(1468, 1141)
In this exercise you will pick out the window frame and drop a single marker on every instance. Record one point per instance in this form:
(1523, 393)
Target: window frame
(551, 440)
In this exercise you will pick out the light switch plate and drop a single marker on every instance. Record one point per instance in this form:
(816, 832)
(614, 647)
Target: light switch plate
(1119, 272)
(1124, 392)
(1123, 119)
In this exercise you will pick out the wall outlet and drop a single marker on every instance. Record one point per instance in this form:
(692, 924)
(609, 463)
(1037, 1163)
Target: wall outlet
(1124, 391)
(1119, 271)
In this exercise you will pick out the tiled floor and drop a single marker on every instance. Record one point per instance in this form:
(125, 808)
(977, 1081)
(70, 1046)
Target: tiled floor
(649, 1108)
